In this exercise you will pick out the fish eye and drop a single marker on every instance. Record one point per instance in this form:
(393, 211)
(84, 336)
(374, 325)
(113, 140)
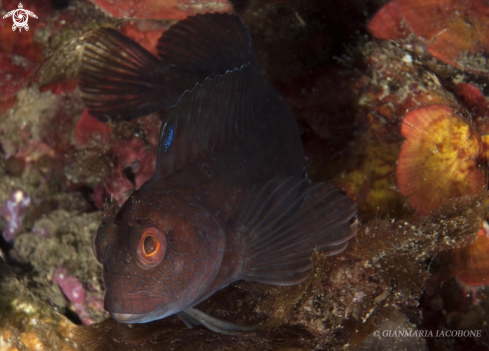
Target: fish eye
(151, 247)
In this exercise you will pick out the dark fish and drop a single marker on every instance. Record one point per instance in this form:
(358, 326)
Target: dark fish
(228, 200)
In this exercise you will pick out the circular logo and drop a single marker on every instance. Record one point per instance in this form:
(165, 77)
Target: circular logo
(20, 17)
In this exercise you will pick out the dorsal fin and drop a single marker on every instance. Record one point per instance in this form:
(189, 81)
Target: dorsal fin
(207, 45)
(209, 116)
(120, 80)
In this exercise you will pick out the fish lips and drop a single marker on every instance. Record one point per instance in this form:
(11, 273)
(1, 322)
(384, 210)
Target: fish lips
(137, 307)
(130, 318)
(139, 317)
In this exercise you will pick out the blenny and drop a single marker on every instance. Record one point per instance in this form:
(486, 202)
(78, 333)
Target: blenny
(228, 199)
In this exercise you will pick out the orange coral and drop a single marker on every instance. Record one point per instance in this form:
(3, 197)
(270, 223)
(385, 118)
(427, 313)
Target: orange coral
(474, 268)
(456, 31)
(387, 23)
(439, 160)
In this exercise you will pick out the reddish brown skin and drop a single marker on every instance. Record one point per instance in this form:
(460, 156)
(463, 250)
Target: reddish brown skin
(193, 207)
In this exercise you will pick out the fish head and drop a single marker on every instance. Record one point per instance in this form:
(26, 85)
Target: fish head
(158, 264)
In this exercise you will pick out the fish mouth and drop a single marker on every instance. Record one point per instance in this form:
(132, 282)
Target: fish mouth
(139, 317)
(127, 317)
(144, 313)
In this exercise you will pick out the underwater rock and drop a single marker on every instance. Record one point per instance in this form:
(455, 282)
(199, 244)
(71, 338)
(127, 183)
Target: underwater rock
(45, 227)
(477, 104)
(91, 130)
(19, 130)
(452, 307)
(23, 314)
(69, 246)
(15, 166)
(384, 339)
(90, 166)
(66, 86)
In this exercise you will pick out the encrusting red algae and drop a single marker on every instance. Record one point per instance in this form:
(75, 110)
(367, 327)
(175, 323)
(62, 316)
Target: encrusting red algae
(228, 200)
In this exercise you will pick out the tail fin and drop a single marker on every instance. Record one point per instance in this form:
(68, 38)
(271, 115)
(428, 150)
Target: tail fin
(120, 80)
(281, 222)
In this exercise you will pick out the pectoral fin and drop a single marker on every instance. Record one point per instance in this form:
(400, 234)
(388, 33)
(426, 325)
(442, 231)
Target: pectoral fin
(281, 222)
(195, 317)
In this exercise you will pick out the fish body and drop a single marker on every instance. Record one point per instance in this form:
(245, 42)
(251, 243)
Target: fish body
(228, 200)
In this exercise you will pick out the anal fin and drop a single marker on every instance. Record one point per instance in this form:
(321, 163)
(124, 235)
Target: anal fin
(279, 224)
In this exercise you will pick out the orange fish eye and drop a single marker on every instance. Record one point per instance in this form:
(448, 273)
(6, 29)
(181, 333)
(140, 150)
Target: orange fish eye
(151, 247)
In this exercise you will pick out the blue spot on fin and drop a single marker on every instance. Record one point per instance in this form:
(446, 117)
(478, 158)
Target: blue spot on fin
(167, 138)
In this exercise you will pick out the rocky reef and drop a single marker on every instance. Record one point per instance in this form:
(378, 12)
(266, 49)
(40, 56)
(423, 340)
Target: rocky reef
(392, 101)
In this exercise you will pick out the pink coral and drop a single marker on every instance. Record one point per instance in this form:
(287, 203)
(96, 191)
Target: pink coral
(135, 164)
(74, 291)
(13, 210)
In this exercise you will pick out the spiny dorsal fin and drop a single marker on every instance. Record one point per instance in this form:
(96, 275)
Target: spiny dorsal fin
(281, 222)
(119, 79)
(209, 116)
(207, 45)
